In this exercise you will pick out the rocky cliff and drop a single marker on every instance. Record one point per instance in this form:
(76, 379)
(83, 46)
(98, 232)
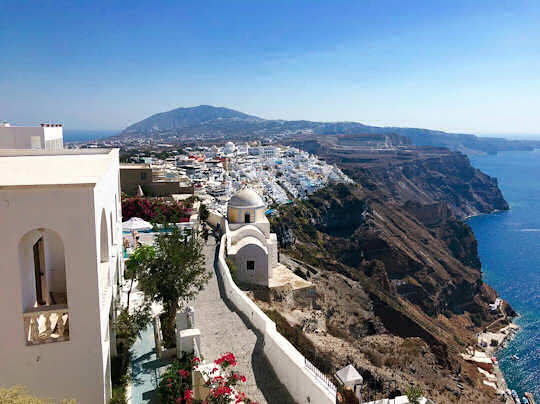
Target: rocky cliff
(399, 287)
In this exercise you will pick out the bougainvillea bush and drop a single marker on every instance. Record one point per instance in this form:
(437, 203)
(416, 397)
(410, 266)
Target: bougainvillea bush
(155, 210)
(223, 386)
(175, 385)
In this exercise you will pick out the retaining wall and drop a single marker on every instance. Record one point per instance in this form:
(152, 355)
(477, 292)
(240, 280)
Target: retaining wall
(287, 362)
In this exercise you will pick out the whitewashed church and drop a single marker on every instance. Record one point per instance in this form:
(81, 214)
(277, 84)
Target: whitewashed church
(250, 244)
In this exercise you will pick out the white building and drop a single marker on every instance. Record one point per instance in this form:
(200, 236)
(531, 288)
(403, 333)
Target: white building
(44, 137)
(250, 244)
(59, 272)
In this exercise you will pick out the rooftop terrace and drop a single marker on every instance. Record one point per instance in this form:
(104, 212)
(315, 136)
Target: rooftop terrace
(65, 167)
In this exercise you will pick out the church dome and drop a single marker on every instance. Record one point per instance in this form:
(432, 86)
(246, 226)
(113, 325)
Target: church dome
(229, 147)
(246, 198)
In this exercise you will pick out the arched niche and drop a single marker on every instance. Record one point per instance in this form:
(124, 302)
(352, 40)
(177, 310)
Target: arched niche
(103, 239)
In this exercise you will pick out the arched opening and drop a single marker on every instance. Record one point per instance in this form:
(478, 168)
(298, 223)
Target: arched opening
(116, 208)
(112, 228)
(44, 294)
(104, 239)
(43, 269)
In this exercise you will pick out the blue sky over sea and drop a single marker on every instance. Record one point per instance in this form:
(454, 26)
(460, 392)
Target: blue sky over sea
(466, 66)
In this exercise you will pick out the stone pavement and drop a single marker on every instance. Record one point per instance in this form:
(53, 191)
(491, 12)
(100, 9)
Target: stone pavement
(224, 330)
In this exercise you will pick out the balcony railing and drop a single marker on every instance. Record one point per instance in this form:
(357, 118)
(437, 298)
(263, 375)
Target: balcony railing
(45, 324)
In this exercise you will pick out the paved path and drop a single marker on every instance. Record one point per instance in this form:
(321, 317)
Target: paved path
(224, 330)
(145, 369)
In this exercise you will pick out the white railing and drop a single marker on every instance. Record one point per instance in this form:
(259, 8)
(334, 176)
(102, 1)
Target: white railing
(46, 324)
(325, 381)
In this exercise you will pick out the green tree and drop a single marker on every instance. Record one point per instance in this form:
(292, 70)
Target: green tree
(175, 274)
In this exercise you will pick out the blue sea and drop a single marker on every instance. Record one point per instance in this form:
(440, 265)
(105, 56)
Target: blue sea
(73, 135)
(509, 246)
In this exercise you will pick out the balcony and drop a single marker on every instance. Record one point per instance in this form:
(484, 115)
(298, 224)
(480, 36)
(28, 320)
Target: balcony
(46, 324)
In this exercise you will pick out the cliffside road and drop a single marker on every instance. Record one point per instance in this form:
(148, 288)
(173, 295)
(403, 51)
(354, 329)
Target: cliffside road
(224, 330)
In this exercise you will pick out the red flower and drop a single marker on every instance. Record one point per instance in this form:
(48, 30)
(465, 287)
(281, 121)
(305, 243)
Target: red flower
(240, 397)
(195, 360)
(226, 360)
(188, 396)
(183, 373)
(243, 379)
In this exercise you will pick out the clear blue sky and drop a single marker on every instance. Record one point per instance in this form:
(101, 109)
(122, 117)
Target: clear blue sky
(471, 66)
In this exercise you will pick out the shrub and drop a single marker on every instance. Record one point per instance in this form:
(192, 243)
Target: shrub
(18, 395)
(414, 394)
(176, 384)
(176, 380)
(232, 269)
(155, 210)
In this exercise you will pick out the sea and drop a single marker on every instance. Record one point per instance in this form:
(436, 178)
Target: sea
(509, 247)
(73, 135)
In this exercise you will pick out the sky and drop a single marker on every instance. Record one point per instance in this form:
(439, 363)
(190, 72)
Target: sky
(461, 66)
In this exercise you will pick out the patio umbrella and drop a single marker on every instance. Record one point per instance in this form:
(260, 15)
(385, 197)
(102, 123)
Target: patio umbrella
(136, 223)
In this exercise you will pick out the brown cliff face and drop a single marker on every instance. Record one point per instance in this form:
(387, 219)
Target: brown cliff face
(446, 177)
(396, 239)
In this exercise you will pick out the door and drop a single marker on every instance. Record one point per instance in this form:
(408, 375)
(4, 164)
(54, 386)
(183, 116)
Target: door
(38, 271)
(247, 218)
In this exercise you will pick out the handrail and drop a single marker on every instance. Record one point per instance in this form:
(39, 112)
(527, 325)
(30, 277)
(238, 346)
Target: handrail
(45, 324)
(31, 312)
(321, 376)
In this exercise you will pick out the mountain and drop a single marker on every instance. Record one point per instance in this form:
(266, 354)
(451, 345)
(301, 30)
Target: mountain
(210, 122)
(182, 118)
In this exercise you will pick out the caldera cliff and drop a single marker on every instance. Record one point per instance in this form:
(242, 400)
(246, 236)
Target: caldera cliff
(398, 288)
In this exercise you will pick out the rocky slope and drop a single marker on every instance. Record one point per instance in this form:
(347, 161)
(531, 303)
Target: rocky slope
(399, 291)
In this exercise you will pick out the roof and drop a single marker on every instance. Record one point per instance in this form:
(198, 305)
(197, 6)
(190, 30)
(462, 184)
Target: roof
(246, 198)
(126, 166)
(349, 375)
(247, 241)
(65, 167)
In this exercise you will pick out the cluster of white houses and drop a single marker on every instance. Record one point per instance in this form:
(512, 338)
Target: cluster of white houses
(61, 265)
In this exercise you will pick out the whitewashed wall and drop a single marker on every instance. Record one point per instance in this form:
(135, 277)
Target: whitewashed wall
(287, 362)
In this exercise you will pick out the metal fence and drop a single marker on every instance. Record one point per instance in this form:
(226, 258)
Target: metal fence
(325, 381)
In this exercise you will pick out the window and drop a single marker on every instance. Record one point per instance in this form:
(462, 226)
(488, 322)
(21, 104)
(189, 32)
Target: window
(247, 218)
(251, 265)
(143, 176)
